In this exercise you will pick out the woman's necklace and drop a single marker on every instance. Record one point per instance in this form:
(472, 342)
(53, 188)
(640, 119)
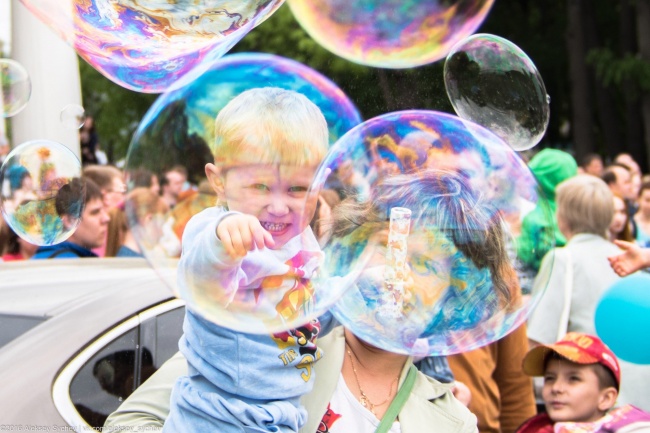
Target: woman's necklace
(364, 400)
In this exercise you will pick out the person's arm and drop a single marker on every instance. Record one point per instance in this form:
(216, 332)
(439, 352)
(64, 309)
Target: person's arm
(515, 388)
(633, 258)
(148, 406)
(204, 256)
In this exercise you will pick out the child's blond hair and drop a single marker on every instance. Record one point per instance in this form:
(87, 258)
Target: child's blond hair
(270, 125)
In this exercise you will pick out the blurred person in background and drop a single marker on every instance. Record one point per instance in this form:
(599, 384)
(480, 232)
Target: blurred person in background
(110, 181)
(91, 231)
(502, 395)
(100, 155)
(174, 225)
(12, 246)
(321, 222)
(618, 178)
(88, 140)
(621, 226)
(635, 170)
(584, 213)
(145, 178)
(592, 164)
(4, 148)
(539, 227)
(172, 184)
(642, 216)
(21, 187)
(138, 220)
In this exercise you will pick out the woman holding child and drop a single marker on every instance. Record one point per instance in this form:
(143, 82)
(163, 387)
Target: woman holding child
(357, 387)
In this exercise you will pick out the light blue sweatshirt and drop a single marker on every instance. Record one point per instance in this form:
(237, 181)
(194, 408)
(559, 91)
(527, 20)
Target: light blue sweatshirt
(240, 382)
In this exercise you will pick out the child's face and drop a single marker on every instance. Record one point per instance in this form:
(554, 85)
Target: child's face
(275, 194)
(572, 393)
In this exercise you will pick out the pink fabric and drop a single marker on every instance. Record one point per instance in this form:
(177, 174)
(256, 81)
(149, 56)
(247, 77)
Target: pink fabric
(615, 419)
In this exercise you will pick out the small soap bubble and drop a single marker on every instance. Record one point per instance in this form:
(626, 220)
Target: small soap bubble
(492, 82)
(16, 87)
(42, 195)
(73, 116)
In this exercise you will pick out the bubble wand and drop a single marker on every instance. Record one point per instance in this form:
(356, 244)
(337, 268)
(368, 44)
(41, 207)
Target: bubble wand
(395, 270)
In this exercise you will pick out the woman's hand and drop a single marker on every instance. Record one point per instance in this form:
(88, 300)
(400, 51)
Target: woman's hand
(462, 393)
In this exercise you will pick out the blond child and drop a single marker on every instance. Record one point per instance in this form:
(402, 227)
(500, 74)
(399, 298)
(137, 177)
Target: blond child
(268, 144)
(581, 383)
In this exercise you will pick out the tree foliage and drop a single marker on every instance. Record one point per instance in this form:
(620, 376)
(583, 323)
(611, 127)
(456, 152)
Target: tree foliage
(116, 110)
(540, 29)
(613, 70)
(167, 142)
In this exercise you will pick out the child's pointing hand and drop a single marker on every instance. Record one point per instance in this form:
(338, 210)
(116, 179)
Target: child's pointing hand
(241, 233)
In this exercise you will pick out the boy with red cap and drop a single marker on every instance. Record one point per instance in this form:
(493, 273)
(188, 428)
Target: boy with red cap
(581, 383)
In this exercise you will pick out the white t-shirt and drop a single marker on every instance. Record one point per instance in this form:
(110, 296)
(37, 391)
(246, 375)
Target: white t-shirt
(346, 414)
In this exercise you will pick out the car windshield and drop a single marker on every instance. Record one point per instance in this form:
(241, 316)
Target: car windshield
(13, 325)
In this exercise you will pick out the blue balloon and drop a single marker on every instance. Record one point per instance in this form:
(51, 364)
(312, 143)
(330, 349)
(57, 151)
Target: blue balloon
(623, 318)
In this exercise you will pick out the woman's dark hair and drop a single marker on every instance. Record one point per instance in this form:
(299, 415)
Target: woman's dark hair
(8, 240)
(445, 197)
(72, 197)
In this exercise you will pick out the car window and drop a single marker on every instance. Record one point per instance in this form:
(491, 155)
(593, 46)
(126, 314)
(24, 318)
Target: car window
(106, 379)
(12, 326)
(160, 335)
(111, 375)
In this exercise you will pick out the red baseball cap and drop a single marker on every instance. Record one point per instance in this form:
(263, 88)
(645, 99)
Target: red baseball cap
(576, 347)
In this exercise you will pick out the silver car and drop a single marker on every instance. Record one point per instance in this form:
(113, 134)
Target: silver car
(77, 336)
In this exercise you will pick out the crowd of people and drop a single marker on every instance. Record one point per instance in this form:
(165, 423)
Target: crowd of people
(599, 215)
(110, 210)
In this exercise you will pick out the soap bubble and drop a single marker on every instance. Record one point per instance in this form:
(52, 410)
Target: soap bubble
(390, 33)
(431, 207)
(42, 196)
(73, 116)
(178, 130)
(490, 81)
(147, 46)
(16, 87)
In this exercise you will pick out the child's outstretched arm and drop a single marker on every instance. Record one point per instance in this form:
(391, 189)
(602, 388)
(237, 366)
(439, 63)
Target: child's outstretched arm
(240, 233)
(631, 260)
(214, 245)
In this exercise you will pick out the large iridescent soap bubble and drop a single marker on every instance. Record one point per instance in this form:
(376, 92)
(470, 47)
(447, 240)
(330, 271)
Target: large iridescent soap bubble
(492, 82)
(178, 130)
(431, 205)
(390, 33)
(42, 196)
(147, 46)
(15, 87)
